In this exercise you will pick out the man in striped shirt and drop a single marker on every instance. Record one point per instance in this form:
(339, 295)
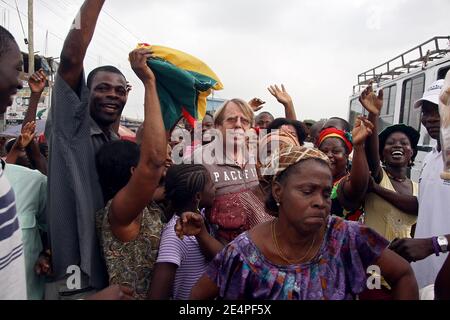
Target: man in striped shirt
(12, 264)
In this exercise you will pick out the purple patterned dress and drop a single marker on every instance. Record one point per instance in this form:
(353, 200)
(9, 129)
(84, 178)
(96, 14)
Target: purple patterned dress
(338, 271)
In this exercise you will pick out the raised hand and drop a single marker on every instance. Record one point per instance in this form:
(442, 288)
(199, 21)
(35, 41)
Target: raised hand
(256, 104)
(370, 101)
(281, 95)
(138, 61)
(189, 224)
(363, 128)
(37, 81)
(27, 135)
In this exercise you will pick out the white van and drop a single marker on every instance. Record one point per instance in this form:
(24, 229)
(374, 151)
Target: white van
(403, 80)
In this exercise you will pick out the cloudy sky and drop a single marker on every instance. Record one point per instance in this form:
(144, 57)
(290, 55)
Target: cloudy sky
(315, 47)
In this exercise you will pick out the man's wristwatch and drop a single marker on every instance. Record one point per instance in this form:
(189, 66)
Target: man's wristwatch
(443, 243)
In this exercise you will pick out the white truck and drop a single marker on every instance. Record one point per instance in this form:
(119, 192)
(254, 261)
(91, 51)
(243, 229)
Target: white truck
(403, 80)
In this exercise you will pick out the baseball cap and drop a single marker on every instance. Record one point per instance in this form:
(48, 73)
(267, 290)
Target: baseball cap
(431, 94)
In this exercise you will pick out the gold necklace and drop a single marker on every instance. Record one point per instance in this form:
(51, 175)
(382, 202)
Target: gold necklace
(280, 252)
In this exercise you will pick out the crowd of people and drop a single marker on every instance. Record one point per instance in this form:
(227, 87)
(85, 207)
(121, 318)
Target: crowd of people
(258, 208)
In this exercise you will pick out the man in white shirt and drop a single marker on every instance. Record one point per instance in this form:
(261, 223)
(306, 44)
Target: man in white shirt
(429, 247)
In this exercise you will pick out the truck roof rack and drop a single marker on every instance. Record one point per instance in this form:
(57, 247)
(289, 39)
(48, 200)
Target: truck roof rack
(417, 57)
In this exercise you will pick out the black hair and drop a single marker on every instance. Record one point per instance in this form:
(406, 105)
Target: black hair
(345, 124)
(299, 127)
(382, 144)
(9, 144)
(182, 182)
(271, 203)
(208, 114)
(6, 39)
(265, 113)
(114, 161)
(94, 72)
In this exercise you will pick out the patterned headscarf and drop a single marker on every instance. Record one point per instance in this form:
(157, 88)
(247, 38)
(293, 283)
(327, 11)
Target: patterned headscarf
(336, 133)
(285, 138)
(287, 156)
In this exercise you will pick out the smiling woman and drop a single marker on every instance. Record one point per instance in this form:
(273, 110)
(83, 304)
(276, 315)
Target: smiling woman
(391, 204)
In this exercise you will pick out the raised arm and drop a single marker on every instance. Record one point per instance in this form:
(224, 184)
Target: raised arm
(77, 43)
(354, 189)
(285, 99)
(132, 199)
(37, 83)
(26, 136)
(373, 103)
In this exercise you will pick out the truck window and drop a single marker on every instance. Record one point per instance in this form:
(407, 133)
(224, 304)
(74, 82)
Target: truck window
(356, 109)
(442, 72)
(412, 90)
(387, 112)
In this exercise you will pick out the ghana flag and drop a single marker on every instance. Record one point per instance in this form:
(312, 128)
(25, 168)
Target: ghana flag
(183, 84)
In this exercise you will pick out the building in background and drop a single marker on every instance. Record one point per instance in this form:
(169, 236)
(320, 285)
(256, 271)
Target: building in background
(15, 114)
(212, 104)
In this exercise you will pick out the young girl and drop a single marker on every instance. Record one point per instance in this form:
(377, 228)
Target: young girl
(186, 246)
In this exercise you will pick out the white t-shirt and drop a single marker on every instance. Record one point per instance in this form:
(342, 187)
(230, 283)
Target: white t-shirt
(12, 263)
(434, 215)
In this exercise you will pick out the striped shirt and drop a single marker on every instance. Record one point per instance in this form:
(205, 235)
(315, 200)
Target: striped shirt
(12, 263)
(186, 255)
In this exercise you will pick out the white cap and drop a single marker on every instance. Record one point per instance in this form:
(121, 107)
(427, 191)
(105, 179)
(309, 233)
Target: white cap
(431, 94)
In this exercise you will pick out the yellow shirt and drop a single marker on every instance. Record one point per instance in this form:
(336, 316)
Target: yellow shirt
(386, 219)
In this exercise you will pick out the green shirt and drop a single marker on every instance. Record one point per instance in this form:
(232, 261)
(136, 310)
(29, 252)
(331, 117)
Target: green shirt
(30, 188)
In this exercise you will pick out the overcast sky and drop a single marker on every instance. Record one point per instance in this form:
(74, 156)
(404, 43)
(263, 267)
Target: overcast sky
(315, 47)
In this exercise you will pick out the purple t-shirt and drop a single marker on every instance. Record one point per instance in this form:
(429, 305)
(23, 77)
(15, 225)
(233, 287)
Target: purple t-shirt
(186, 255)
(337, 272)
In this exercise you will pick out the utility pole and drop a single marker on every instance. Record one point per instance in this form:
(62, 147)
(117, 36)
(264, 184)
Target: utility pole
(30, 38)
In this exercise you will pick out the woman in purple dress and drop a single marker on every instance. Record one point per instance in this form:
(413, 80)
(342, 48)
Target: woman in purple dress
(304, 253)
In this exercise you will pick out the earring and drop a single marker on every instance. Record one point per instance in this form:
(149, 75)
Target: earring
(278, 204)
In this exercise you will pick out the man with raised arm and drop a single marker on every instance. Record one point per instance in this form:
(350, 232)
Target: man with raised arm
(80, 122)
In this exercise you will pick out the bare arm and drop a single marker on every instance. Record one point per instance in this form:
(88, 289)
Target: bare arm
(442, 283)
(204, 289)
(399, 274)
(354, 189)
(25, 138)
(192, 224)
(373, 103)
(414, 249)
(162, 281)
(77, 43)
(132, 199)
(405, 203)
(285, 99)
(37, 83)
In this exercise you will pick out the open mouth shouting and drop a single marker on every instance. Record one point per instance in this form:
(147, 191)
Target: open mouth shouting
(397, 154)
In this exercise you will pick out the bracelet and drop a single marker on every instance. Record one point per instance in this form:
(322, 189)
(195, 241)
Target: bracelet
(436, 247)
